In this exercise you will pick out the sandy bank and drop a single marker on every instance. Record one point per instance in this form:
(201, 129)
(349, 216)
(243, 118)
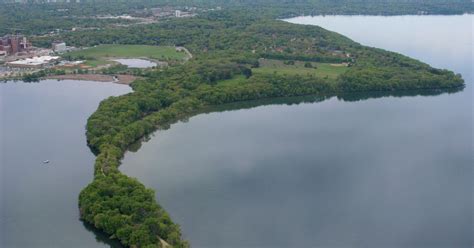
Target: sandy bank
(119, 79)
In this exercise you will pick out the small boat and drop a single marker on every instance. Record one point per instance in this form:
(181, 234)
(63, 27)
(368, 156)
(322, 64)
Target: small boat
(46, 162)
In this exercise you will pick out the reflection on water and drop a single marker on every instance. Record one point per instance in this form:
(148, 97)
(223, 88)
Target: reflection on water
(356, 170)
(346, 97)
(359, 96)
(101, 237)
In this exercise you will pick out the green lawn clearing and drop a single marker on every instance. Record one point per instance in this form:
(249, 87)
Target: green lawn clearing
(321, 70)
(130, 51)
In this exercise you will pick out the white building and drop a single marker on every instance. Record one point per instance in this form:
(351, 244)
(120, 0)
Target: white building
(178, 13)
(59, 47)
(35, 62)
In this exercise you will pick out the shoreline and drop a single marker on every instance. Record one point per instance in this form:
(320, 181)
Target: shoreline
(118, 79)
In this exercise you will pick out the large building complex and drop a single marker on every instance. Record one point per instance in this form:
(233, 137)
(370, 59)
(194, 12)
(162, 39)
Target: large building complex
(13, 44)
(35, 62)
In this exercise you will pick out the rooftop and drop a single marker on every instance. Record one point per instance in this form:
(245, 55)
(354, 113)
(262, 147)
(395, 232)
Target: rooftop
(35, 60)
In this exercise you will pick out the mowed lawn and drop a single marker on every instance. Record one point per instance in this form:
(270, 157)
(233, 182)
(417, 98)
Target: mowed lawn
(102, 52)
(321, 70)
(240, 79)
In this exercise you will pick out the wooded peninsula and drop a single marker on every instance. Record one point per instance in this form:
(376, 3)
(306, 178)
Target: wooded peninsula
(237, 57)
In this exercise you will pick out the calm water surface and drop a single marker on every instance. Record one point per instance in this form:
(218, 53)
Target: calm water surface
(382, 172)
(136, 63)
(46, 121)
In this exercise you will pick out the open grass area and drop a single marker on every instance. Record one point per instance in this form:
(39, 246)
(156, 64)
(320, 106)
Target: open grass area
(97, 62)
(130, 51)
(321, 70)
(235, 80)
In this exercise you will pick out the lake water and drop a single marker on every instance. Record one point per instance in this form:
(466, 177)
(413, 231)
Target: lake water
(38, 122)
(381, 172)
(136, 63)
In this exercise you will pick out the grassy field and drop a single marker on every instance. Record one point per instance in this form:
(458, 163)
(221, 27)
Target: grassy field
(97, 62)
(235, 80)
(270, 66)
(100, 54)
(321, 70)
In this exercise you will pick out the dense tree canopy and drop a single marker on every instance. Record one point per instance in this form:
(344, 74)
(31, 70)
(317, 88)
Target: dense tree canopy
(39, 17)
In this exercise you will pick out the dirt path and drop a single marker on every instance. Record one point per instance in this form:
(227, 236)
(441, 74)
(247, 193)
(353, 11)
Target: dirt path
(190, 55)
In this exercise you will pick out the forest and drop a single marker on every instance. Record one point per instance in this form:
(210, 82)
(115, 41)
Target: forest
(36, 17)
(227, 48)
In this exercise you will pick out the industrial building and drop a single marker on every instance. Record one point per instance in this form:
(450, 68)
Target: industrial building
(13, 44)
